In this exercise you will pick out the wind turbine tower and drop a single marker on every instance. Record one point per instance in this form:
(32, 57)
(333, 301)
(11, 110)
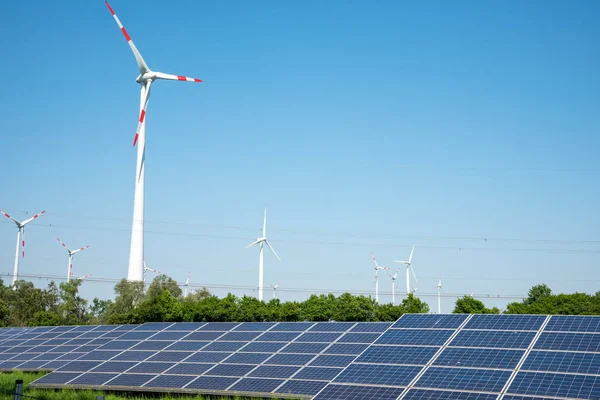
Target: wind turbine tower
(439, 289)
(274, 287)
(145, 79)
(394, 285)
(262, 241)
(409, 269)
(71, 254)
(377, 268)
(20, 241)
(187, 284)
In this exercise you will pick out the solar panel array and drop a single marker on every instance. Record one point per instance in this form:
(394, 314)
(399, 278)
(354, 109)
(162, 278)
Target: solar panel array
(420, 356)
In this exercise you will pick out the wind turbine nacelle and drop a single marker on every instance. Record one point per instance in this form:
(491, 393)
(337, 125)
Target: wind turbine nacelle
(150, 75)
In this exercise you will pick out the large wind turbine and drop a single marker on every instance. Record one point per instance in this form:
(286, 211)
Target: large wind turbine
(71, 254)
(262, 240)
(145, 79)
(20, 240)
(377, 268)
(409, 268)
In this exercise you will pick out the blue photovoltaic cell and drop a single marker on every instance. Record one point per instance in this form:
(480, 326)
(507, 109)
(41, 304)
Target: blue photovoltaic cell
(415, 337)
(375, 327)
(332, 326)
(332, 361)
(278, 336)
(53, 365)
(256, 385)
(290, 359)
(99, 355)
(133, 356)
(211, 383)
(509, 397)
(506, 322)
(359, 338)
(32, 365)
(346, 348)
(208, 357)
(209, 335)
(150, 367)
(190, 368)
(318, 373)
(254, 326)
(10, 364)
(170, 381)
(373, 374)
(397, 355)
(115, 366)
(292, 326)
(57, 378)
(420, 394)
(224, 346)
(150, 345)
(584, 363)
(272, 371)
(92, 378)
(499, 339)
(172, 356)
(264, 347)
(302, 387)
(556, 385)
(219, 326)
(231, 369)
(571, 323)
(240, 336)
(153, 326)
(184, 326)
(449, 321)
(133, 380)
(483, 358)
(248, 358)
(118, 345)
(568, 341)
(463, 379)
(136, 335)
(189, 346)
(354, 392)
(82, 366)
(304, 348)
(171, 335)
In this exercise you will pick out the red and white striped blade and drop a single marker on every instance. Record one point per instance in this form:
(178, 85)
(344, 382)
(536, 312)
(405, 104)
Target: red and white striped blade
(23, 242)
(32, 218)
(138, 57)
(85, 276)
(169, 77)
(64, 245)
(9, 217)
(80, 249)
(145, 99)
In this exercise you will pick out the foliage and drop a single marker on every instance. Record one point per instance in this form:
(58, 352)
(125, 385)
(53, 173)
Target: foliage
(470, 305)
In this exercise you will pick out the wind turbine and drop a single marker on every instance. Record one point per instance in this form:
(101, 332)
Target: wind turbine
(394, 285)
(262, 241)
(275, 289)
(81, 278)
(145, 79)
(187, 285)
(377, 268)
(20, 240)
(71, 254)
(146, 269)
(439, 289)
(409, 268)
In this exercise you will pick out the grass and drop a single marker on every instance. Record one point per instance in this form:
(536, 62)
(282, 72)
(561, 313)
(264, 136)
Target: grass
(7, 390)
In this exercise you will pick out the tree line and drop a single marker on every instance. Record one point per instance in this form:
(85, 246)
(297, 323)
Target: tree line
(163, 301)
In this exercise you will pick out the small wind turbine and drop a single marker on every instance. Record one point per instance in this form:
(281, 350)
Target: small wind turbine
(394, 285)
(146, 269)
(20, 240)
(377, 268)
(262, 240)
(187, 284)
(81, 278)
(409, 268)
(275, 289)
(439, 289)
(71, 254)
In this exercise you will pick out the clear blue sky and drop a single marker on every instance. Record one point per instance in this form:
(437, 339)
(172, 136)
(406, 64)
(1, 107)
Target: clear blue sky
(362, 126)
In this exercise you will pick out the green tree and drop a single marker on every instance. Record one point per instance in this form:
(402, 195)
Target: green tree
(162, 308)
(470, 305)
(354, 308)
(160, 284)
(538, 293)
(127, 296)
(318, 308)
(413, 305)
(388, 312)
(72, 307)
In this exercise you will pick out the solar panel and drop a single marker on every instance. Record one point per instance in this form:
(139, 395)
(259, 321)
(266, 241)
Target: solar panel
(506, 322)
(584, 363)
(556, 385)
(448, 321)
(494, 339)
(415, 337)
(256, 385)
(485, 358)
(397, 355)
(572, 323)
(391, 375)
(569, 341)
(421, 394)
(170, 381)
(463, 379)
(301, 387)
(358, 392)
(272, 371)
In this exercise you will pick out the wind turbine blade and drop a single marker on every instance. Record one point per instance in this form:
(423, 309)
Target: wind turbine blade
(411, 254)
(374, 259)
(145, 99)
(138, 57)
(23, 242)
(272, 249)
(401, 262)
(63, 245)
(80, 249)
(264, 230)
(11, 218)
(169, 77)
(255, 242)
(414, 276)
(32, 218)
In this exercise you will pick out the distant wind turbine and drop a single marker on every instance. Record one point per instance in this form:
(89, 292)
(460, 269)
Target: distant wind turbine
(146, 269)
(394, 285)
(377, 268)
(20, 241)
(262, 241)
(274, 287)
(71, 254)
(439, 289)
(187, 284)
(410, 269)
